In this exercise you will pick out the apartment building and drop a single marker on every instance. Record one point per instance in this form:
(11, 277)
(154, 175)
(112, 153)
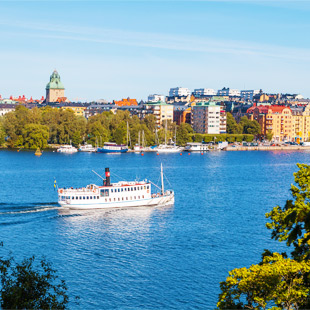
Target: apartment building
(275, 119)
(201, 92)
(156, 98)
(248, 94)
(179, 92)
(228, 92)
(208, 118)
(301, 123)
(161, 110)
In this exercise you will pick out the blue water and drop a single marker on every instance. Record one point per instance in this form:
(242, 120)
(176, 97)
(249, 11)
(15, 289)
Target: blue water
(146, 258)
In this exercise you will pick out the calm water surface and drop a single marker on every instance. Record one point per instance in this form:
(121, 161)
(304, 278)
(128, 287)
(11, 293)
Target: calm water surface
(146, 258)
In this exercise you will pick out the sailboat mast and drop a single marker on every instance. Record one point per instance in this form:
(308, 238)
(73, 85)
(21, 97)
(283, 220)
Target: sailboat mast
(166, 133)
(162, 179)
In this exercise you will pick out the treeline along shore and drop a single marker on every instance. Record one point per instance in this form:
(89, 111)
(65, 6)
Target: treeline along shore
(41, 127)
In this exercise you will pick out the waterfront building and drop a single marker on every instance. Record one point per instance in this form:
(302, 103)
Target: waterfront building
(301, 123)
(126, 102)
(182, 114)
(156, 98)
(207, 118)
(248, 94)
(228, 92)
(161, 110)
(276, 119)
(179, 92)
(55, 90)
(202, 92)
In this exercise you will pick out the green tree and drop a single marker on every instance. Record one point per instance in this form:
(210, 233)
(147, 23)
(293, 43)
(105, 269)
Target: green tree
(35, 136)
(2, 133)
(269, 135)
(31, 285)
(232, 126)
(276, 281)
(120, 133)
(184, 133)
(249, 126)
(291, 223)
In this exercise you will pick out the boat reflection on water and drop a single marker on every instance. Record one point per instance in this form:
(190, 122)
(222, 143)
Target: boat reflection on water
(116, 219)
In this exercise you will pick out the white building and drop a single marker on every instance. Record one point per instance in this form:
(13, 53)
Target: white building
(156, 98)
(228, 92)
(248, 94)
(6, 108)
(179, 91)
(204, 92)
(207, 118)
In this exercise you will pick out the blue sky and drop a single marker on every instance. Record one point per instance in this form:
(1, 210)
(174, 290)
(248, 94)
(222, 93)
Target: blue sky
(116, 49)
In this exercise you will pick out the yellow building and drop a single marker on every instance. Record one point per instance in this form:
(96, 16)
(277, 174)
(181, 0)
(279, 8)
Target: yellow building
(78, 110)
(162, 111)
(301, 123)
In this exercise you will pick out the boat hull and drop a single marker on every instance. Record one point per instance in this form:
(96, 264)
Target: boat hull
(152, 202)
(100, 150)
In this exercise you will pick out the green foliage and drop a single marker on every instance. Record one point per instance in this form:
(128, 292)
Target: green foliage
(232, 127)
(184, 132)
(2, 133)
(269, 135)
(31, 285)
(276, 281)
(250, 127)
(292, 222)
(222, 137)
(35, 136)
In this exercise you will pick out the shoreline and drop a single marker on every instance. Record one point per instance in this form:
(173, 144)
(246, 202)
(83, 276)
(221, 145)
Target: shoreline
(268, 148)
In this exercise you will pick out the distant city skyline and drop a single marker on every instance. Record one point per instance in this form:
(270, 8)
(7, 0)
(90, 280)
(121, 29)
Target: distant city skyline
(113, 50)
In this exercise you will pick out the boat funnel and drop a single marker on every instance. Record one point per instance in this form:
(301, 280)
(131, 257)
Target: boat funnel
(107, 177)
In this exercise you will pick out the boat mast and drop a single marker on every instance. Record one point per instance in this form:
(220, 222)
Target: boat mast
(162, 179)
(166, 133)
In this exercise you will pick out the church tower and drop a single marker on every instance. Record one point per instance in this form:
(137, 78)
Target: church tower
(55, 90)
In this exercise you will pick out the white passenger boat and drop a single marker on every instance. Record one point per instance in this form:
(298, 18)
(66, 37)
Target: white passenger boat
(196, 147)
(115, 195)
(165, 148)
(69, 149)
(87, 148)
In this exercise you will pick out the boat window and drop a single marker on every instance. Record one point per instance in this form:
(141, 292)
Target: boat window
(73, 197)
(83, 197)
(135, 188)
(104, 193)
(138, 197)
(126, 198)
(112, 190)
(91, 197)
(135, 197)
(97, 197)
(106, 200)
(142, 196)
(122, 198)
(119, 199)
(87, 197)
(109, 199)
(144, 186)
(122, 189)
(114, 199)
(119, 190)
(130, 198)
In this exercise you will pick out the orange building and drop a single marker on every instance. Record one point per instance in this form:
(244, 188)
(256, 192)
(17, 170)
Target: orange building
(126, 102)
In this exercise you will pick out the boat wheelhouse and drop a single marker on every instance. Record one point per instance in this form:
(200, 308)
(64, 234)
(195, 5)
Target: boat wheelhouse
(111, 147)
(114, 195)
(87, 148)
(196, 147)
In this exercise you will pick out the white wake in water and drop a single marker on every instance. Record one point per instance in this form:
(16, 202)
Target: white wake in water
(40, 209)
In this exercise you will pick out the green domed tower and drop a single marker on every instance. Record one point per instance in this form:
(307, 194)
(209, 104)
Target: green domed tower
(55, 90)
